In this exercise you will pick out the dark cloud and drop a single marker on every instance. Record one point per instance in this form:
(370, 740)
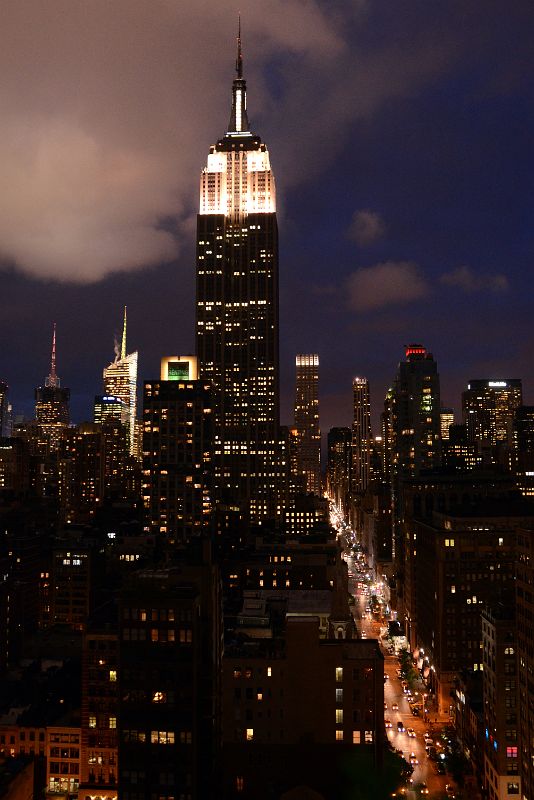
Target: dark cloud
(367, 227)
(470, 281)
(389, 283)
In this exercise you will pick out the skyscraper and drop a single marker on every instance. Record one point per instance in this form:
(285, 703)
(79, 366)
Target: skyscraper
(107, 407)
(237, 311)
(361, 436)
(52, 403)
(412, 427)
(339, 467)
(177, 447)
(4, 409)
(447, 419)
(415, 409)
(120, 380)
(489, 407)
(307, 421)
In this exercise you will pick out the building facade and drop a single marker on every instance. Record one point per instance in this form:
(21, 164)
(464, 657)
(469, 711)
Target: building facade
(308, 452)
(339, 467)
(361, 436)
(501, 751)
(177, 458)
(120, 380)
(489, 408)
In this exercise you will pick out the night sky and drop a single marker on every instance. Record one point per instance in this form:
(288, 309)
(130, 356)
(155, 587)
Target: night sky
(401, 135)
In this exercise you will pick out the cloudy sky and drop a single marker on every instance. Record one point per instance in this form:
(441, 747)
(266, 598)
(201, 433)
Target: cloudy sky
(401, 134)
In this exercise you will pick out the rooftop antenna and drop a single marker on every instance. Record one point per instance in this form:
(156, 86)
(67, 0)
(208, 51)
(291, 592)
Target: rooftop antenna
(239, 59)
(52, 380)
(123, 343)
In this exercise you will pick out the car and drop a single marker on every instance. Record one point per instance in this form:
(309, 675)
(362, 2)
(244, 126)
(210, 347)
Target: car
(413, 759)
(388, 723)
(385, 706)
(416, 711)
(423, 788)
(428, 741)
(411, 733)
(400, 726)
(440, 768)
(386, 677)
(395, 707)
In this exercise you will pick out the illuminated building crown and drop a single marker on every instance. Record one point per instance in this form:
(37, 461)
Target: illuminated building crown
(238, 179)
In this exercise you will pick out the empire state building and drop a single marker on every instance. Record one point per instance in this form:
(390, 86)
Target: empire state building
(237, 311)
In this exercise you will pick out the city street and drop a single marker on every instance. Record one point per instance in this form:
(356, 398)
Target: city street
(425, 769)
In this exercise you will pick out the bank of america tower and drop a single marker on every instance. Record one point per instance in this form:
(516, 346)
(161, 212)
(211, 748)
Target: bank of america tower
(237, 311)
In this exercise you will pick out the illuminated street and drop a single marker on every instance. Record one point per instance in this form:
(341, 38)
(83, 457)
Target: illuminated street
(425, 771)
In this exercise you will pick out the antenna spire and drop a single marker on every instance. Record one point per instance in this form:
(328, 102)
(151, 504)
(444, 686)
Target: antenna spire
(52, 380)
(238, 116)
(239, 59)
(123, 343)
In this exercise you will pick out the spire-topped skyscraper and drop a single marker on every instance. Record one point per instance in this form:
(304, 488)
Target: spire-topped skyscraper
(53, 380)
(52, 402)
(120, 380)
(237, 310)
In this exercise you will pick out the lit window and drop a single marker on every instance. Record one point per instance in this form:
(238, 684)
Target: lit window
(339, 674)
(368, 737)
(269, 672)
(113, 722)
(250, 734)
(339, 736)
(239, 783)
(511, 752)
(92, 721)
(356, 737)
(113, 675)
(339, 716)
(339, 695)
(453, 589)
